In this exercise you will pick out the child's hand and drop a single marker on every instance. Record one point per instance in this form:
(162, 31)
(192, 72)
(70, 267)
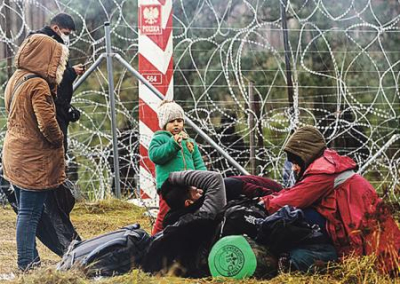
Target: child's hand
(184, 135)
(178, 138)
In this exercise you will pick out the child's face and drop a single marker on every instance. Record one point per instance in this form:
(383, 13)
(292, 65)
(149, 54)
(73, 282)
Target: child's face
(175, 126)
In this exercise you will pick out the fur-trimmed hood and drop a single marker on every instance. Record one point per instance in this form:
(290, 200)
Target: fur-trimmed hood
(33, 152)
(44, 56)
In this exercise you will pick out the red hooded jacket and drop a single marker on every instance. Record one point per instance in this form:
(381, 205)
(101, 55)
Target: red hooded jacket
(357, 220)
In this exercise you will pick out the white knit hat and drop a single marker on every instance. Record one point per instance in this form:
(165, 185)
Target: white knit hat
(168, 111)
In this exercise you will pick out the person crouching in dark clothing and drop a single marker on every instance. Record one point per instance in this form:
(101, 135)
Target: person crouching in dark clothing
(235, 187)
(195, 199)
(193, 191)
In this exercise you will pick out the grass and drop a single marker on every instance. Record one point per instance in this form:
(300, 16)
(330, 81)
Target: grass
(92, 219)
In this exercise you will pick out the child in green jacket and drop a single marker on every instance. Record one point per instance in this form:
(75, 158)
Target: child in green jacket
(172, 150)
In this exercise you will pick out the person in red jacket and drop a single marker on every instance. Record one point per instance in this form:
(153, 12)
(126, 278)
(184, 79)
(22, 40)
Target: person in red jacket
(356, 219)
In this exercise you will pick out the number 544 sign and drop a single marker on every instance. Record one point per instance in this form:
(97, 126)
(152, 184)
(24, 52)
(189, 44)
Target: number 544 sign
(154, 79)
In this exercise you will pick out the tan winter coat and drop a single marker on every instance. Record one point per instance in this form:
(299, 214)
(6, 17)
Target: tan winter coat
(33, 154)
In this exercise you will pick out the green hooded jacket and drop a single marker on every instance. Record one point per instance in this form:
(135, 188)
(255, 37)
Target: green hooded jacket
(169, 156)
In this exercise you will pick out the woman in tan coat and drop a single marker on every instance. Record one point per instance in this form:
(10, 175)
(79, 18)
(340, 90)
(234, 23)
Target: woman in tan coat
(33, 155)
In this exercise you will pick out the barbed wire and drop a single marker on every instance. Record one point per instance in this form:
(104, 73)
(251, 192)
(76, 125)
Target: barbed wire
(345, 64)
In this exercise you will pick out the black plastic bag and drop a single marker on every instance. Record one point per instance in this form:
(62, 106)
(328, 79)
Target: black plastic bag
(109, 254)
(183, 247)
(55, 229)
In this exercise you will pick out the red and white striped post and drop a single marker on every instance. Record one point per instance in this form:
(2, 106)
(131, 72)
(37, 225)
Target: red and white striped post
(156, 65)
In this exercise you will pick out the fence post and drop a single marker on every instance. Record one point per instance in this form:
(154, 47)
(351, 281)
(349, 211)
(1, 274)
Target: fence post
(109, 56)
(252, 117)
(155, 54)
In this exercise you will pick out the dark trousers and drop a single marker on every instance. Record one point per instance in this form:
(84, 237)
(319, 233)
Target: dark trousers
(30, 207)
(305, 257)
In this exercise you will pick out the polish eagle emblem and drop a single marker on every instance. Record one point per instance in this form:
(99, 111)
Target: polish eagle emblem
(150, 15)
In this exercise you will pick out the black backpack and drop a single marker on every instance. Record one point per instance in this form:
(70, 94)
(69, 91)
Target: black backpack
(109, 254)
(287, 229)
(182, 248)
(238, 216)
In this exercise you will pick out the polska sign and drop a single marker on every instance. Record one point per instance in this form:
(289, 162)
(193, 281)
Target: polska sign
(150, 19)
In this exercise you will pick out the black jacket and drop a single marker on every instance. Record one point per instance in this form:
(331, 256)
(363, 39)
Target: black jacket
(65, 89)
(187, 242)
(213, 200)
